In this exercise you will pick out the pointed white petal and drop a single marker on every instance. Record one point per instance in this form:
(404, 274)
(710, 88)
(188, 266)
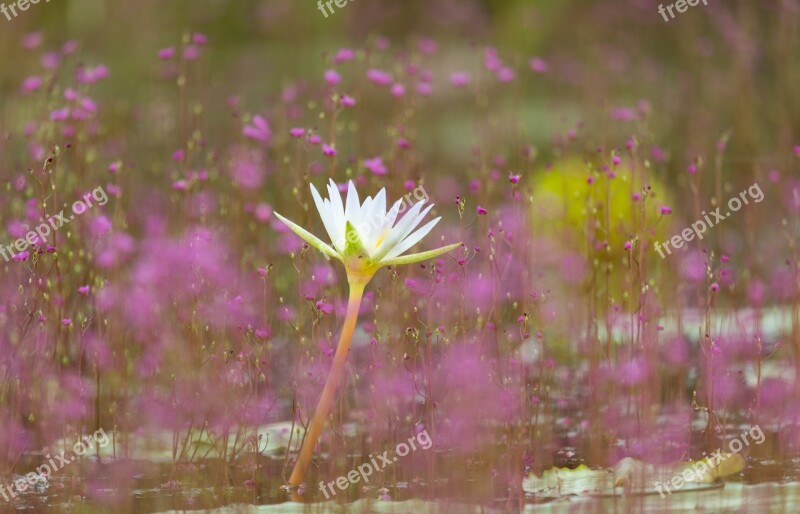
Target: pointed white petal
(368, 225)
(391, 216)
(402, 229)
(380, 204)
(324, 213)
(336, 203)
(412, 239)
(353, 206)
(336, 230)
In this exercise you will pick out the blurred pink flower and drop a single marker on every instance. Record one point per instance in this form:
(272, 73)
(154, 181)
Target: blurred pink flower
(258, 129)
(459, 79)
(328, 150)
(332, 77)
(344, 54)
(398, 90)
(538, 65)
(31, 84)
(376, 166)
(379, 77)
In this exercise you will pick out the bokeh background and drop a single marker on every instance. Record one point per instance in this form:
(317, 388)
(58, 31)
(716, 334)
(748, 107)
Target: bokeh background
(559, 141)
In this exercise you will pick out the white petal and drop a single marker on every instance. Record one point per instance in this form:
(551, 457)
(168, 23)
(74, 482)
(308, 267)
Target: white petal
(392, 215)
(337, 236)
(402, 229)
(416, 221)
(365, 224)
(337, 209)
(412, 239)
(380, 204)
(324, 214)
(352, 209)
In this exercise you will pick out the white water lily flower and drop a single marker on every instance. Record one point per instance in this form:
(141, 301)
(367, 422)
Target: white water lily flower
(364, 236)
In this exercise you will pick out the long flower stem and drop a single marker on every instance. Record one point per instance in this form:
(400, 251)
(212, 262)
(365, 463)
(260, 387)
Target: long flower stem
(328, 392)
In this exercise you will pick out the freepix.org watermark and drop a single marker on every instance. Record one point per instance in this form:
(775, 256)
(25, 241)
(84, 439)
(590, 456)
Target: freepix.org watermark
(53, 464)
(329, 3)
(681, 6)
(366, 470)
(38, 236)
(22, 5)
(699, 227)
(705, 469)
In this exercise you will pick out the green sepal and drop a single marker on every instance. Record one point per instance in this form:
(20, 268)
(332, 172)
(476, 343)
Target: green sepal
(419, 257)
(310, 238)
(353, 247)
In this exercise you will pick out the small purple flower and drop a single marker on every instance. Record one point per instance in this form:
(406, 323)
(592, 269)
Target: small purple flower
(344, 54)
(398, 90)
(263, 212)
(459, 79)
(66, 322)
(622, 114)
(424, 89)
(166, 53)
(31, 84)
(628, 246)
(332, 77)
(69, 47)
(90, 75)
(31, 40)
(324, 307)
(348, 101)
(60, 114)
(328, 150)
(427, 46)
(178, 155)
(180, 185)
(665, 210)
(481, 211)
(191, 52)
(258, 129)
(616, 160)
(297, 132)
(715, 287)
(538, 65)
(506, 74)
(379, 77)
(21, 257)
(376, 166)
(84, 290)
